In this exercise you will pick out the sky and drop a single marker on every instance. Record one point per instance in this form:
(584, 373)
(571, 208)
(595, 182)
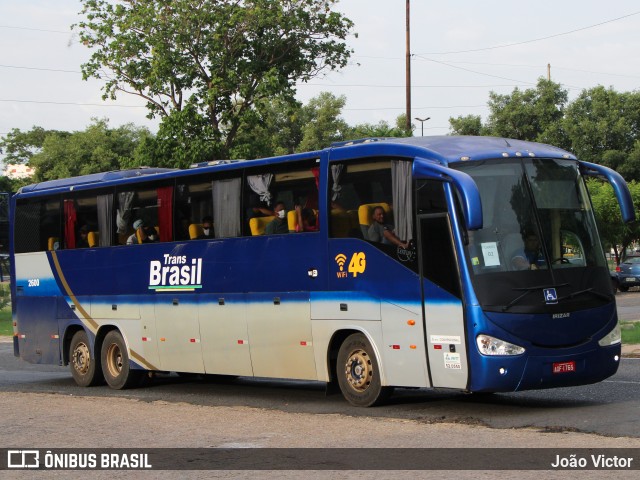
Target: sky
(461, 51)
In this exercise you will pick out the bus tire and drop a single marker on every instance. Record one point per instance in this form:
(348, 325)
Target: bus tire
(85, 368)
(115, 363)
(359, 374)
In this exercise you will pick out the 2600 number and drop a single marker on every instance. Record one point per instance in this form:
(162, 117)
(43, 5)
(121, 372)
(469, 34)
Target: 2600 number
(34, 282)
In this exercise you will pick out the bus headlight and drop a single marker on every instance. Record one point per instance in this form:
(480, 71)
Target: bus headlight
(494, 346)
(611, 338)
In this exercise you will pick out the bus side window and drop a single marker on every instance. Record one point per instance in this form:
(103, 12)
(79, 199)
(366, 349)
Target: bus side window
(216, 200)
(356, 189)
(154, 206)
(193, 202)
(36, 222)
(294, 185)
(81, 221)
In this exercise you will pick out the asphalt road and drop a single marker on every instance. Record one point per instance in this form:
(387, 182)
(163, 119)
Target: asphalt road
(608, 408)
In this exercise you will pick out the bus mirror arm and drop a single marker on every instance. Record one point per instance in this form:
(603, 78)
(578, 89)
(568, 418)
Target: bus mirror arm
(464, 184)
(619, 187)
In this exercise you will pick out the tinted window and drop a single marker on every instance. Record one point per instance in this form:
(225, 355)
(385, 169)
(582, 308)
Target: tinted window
(38, 225)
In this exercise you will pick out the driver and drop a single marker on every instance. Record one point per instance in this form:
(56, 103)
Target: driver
(531, 257)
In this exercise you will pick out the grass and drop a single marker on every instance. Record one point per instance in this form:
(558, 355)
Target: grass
(631, 333)
(6, 326)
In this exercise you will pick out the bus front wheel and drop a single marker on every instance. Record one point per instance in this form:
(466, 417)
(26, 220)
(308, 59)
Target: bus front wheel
(115, 362)
(84, 367)
(358, 373)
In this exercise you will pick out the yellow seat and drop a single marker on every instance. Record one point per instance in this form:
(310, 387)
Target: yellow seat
(257, 225)
(365, 213)
(140, 239)
(343, 223)
(93, 239)
(53, 243)
(195, 230)
(292, 220)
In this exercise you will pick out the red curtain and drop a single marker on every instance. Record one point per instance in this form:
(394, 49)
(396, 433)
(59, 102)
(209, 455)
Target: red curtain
(312, 199)
(165, 213)
(70, 220)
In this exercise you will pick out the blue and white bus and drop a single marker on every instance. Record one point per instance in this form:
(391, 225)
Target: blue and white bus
(466, 263)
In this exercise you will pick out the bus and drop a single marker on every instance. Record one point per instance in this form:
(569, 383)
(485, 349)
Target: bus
(413, 268)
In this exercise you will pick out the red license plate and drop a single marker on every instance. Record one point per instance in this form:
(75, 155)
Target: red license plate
(564, 367)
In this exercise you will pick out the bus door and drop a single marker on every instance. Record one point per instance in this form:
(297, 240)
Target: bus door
(442, 303)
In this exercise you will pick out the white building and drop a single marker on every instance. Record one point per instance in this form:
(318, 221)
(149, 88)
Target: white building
(18, 171)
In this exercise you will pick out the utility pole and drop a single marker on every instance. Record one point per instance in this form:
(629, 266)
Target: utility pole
(548, 72)
(408, 68)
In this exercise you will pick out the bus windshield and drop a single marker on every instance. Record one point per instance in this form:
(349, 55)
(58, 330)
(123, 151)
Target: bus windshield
(539, 232)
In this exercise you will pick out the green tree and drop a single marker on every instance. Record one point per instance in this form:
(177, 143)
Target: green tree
(273, 127)
(9, 185)
(213, 59)
(322, 122)
(532, 114)
(615, 234)
(603, 126)
(96, 149)
(19, 146)
(380, 129)
(467, 125)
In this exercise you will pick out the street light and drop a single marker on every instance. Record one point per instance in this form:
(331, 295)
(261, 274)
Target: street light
(422, 120)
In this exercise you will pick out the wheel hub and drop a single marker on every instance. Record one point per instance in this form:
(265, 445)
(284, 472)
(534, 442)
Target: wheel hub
(359, 370)
(81, 358)
(114, 360)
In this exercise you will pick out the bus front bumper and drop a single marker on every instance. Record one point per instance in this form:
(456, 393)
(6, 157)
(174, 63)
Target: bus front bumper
(541, 369)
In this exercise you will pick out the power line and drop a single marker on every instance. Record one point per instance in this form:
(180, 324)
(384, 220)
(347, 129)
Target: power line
(40, 69)
(555, 66)
(356, 85)
(471, 71)
(34, 29)
(72, 103)
(535, 39)
(570, 87)
(415, 108)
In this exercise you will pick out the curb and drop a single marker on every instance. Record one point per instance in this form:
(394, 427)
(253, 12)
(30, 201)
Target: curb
(631, 351)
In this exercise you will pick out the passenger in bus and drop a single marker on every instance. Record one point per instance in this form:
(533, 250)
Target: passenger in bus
(144, 234)
(207, 228)
(307, 221)
(383, 233)
(258, 208)
(83, 237)
(531, 257)
(278, 224)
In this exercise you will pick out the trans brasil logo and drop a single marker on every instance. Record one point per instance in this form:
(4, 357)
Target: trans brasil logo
(175, 273)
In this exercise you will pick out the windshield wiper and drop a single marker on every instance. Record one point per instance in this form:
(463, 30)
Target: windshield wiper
(528, 290)
(587, 290)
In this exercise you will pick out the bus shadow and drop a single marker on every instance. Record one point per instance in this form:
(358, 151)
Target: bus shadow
(547, 399)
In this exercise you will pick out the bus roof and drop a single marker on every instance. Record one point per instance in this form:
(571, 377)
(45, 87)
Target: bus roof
(448, 149)
(443, 149)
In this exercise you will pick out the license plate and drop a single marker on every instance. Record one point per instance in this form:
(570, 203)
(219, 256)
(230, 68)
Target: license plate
(564, 367)
(630, 279)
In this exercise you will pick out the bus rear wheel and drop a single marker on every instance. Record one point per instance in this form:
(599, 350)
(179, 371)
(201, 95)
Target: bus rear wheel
(358, 373)
(115, 363)
(85, 369)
